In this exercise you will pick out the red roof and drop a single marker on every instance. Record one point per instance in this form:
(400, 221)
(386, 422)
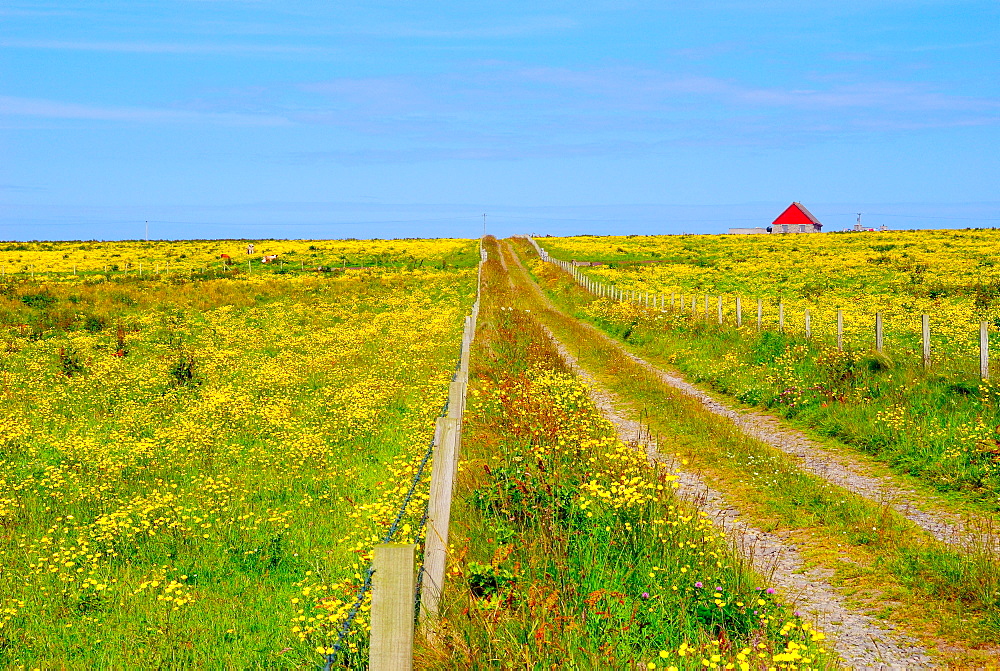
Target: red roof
(796, 214)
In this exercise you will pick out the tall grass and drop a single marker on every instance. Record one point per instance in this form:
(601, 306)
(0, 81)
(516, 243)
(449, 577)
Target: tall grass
(941, 425)
(191, 474)
(951, 591)
(572, 551)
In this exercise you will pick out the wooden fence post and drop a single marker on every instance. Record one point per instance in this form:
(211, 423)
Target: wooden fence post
(456, 395)
(393, 586)
(984, 351)
(466, 345)
(925, 337)
(781, 316)
(840, 330)
(438, 518)
(808, 325)
(672, 300)
(720, 309)
(878, 331)
(739, 313)
(760, 313)
(706, 307)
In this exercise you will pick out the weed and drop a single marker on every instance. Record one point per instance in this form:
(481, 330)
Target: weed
(70, 362)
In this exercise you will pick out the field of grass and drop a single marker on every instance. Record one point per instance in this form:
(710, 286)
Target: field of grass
(946, 595)
(92, 260)
(193, 472)
(941, 425)
(953, 276)
(196, 464)
(571, 550)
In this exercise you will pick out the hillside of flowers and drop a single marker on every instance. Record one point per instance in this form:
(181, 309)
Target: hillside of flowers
(941, 423)
(571, 549)
(98, 260)
(953, 276)
(194, 471)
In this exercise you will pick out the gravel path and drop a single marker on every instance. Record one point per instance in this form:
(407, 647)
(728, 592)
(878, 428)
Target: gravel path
(970, 534)
(861, 641)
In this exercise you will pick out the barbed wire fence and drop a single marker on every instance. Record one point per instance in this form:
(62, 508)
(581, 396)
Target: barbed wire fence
(658, 301)
(452, 409)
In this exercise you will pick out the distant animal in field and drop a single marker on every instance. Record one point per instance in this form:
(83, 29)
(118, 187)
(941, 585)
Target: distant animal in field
(226, 259)
(268, 258)
(249, 250)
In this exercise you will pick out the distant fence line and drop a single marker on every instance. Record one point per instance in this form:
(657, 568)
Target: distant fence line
(402, 594)
(659, 301)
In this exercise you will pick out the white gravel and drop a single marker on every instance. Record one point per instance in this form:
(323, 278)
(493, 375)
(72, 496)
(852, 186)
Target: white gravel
(862, 642)
(971, 534)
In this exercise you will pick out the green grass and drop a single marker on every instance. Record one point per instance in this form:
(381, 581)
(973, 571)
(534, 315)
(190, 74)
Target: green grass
(247, 491)
(547, 575)
(957, 594)
(941, 426)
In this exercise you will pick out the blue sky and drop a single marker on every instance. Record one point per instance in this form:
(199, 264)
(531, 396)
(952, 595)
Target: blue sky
(219, 118)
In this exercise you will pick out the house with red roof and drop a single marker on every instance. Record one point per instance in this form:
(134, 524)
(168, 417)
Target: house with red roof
(795, 219)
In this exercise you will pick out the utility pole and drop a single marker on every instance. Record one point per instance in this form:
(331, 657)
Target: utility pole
(147, 230)
(857, 226)
(484, 224)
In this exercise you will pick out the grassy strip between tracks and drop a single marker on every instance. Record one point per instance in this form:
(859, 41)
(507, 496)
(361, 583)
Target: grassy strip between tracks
(879, 558)
(570, 549)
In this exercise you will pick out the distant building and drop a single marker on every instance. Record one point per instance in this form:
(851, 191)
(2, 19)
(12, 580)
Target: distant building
(747, 231)
(796, 219)
(858, 228)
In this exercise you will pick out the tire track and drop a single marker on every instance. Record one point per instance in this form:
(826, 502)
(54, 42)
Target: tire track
(971, 534)
(860, 640)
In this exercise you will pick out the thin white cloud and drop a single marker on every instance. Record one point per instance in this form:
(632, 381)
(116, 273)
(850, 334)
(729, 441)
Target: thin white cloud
(528, 28)
(52, 109)
(625, 86)
(505, 110)
(164, 47)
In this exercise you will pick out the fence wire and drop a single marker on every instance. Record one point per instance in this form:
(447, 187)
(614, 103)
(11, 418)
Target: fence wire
(366, 585)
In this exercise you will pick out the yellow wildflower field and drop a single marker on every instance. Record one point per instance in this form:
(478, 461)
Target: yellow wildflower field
(937, 421)
(180, 457)
(64, 260)
(575, 550)
(953, 276)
